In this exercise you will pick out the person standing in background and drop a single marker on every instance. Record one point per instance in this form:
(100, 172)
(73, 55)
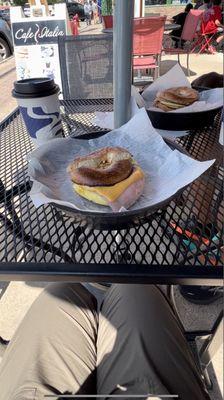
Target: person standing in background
(198, 4)
(179, 19)
(95, 11)
(91, 9)
(206, 5)
(212, 18)
(99, 11)
(88, 12)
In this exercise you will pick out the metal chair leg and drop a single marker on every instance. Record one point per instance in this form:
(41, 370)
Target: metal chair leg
(207, 42)
(3, 290)
(188, 70)
(213, 343)
(156, 73)
(121, 247)
(207, 380)
(171, 296)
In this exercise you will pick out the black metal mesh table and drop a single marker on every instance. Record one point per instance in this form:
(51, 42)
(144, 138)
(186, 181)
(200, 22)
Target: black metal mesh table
(47, 244)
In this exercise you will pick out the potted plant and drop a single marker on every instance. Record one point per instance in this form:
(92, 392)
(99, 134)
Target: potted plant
(107, 13)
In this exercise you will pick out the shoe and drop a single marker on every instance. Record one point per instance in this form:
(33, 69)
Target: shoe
(211, 49)
(201, 294)
(3, 341)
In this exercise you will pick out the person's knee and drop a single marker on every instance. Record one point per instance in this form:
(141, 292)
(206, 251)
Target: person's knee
(60, 296)
(134, 303)
(136, 293)
(73, 293)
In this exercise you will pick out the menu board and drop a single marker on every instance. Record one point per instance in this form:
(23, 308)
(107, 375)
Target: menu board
(36, 45)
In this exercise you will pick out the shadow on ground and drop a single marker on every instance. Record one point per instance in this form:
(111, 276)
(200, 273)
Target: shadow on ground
(166, 65)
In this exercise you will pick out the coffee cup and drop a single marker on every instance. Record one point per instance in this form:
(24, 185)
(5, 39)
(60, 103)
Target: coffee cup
(39, 106)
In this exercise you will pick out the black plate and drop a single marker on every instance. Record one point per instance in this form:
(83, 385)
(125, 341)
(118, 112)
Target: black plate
(182, 121)
(118, 220)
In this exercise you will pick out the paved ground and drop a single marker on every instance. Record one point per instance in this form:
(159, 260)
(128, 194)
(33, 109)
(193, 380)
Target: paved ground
(7, 77)
(16, 298)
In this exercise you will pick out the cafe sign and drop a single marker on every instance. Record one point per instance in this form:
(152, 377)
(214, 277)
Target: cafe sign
(35, 41)
(33, 32)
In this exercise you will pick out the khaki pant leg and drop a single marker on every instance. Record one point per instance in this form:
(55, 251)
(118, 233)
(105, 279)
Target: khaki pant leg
(54, 349)
(141, 347)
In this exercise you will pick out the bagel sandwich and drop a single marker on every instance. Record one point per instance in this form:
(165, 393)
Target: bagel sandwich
(175, 98)
(109, 177)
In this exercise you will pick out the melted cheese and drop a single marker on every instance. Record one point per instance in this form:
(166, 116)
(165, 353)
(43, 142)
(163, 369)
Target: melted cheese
(98, 194)
(170, 104)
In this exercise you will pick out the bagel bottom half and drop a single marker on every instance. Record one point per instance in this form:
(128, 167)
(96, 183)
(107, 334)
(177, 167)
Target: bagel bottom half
(122, 194)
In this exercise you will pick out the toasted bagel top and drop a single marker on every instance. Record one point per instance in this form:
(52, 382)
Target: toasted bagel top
(104, 167)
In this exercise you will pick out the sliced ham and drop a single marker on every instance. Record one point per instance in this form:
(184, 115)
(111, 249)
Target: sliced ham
(129, 196)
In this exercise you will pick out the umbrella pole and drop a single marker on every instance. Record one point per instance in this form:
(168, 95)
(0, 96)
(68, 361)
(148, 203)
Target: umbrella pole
(122, 60)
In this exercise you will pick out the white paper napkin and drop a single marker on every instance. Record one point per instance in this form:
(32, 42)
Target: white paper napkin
(166, 171)
(105, 120)
(208, 99)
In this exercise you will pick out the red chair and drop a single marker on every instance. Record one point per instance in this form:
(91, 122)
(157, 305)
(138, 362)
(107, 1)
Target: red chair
(205, 39)
(190, 35)
(147, 43)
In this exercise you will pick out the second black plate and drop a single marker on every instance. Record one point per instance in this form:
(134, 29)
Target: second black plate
(182, 121)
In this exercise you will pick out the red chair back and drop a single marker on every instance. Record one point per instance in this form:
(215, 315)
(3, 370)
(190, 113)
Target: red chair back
(191, 24)
(148, 35)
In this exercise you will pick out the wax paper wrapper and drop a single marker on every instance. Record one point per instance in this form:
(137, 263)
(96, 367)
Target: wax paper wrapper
(208, 99)
(166, 171)
(105, 120)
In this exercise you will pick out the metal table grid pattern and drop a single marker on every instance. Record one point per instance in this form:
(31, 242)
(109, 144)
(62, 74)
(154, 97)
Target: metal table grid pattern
(47, 235)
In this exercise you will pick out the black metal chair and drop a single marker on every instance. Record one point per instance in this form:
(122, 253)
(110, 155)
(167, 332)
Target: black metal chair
(86, 63)
(211, 340)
